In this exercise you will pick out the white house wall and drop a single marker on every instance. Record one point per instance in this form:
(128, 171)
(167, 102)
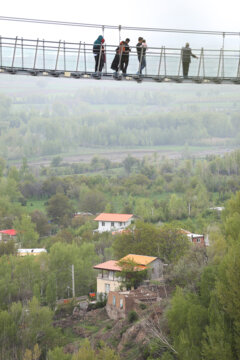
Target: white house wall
(108, 226)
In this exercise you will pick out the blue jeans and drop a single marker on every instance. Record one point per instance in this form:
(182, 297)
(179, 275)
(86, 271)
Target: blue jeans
(143, 63)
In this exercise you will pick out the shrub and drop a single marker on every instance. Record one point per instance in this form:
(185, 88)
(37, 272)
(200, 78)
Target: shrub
(132, 316)
(143, 306)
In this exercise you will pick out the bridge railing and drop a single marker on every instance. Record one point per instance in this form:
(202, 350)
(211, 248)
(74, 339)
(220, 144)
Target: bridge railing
(18, 54)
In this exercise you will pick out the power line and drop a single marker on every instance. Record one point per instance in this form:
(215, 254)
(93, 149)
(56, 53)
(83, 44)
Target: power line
(116, 27)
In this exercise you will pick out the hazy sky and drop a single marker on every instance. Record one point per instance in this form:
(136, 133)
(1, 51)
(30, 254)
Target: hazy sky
(183, 14)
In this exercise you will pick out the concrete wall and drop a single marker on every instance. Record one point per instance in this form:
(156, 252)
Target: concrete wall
(114, 285)
(155, 269)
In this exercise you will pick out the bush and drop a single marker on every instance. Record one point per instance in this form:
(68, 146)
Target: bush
(132, 316)
(143, 306)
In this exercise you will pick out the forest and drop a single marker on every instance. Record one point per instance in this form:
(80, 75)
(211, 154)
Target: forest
(52, 205)
(38, 124)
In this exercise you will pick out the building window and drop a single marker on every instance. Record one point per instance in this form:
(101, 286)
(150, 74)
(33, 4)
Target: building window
(114, 300)
(112, 223)
(107, 288)
(198, 240)
(120, 223)
(121, 303)
(103, 223)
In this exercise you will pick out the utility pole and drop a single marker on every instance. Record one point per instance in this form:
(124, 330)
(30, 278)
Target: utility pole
(73, 282)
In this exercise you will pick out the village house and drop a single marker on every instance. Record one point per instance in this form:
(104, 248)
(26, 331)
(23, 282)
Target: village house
(6, 235)
(195, 238)
(113, 222)
(109, 276)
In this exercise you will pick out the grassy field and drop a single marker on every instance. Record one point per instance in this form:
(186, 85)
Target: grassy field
(36, 205)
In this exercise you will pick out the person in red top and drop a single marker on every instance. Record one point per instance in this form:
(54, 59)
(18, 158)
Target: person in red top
(122, 57)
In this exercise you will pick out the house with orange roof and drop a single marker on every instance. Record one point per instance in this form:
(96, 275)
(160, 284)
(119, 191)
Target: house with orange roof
(109, 275)
(113, 222)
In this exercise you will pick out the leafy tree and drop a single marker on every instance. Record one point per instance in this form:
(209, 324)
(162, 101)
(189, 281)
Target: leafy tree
(7, 248)
(106, 353)
(128, 163)
(41, 221)
(131, 274)
(165, 242)
(56, 161)
(177, 207)
(217, 338)
(141, 240)
(7, 334)
(57, 354)
(59, 208)
(85, 352)
(187, 319)
(93, 202)
(32, 354)
(26, 233)
(228, 290)
(37, 327)
(172, 244)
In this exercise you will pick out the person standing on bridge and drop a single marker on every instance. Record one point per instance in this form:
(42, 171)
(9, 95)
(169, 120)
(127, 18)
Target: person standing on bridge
(121, 58)
(186, 55)
(125, 56)
(99, 54)
(141, 53)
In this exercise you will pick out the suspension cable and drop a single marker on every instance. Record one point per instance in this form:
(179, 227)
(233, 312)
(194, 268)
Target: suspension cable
(99, 26)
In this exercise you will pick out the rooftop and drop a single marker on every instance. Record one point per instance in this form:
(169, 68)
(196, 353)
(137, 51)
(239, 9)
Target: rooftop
(139, 259)
(113, 217)
(108, 265)
(10, 232)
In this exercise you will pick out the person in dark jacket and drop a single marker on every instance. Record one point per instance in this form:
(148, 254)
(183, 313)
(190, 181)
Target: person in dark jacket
(125, 56)
(121, 58)
(141, 48)
(186, 59)
(99, 54)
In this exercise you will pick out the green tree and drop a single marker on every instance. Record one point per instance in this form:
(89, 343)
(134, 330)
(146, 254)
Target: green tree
(58, 354)
(228, 290)
(187, 319)
(41, 222)
(172, 244)
(217, 338)
(93, 202)
(59, 208)
(131, 274)
(38, 328)
(177, 207)
(85, 352)
(26, 233)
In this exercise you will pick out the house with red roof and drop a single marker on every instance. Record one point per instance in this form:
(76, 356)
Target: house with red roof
(109, 276)
(196, 239)
(113, 222)
(8, 234)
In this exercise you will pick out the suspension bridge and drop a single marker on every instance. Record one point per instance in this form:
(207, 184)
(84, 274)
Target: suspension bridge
(36, 57)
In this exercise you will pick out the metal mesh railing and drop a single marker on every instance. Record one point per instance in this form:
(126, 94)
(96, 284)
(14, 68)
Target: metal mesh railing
(41, 57)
